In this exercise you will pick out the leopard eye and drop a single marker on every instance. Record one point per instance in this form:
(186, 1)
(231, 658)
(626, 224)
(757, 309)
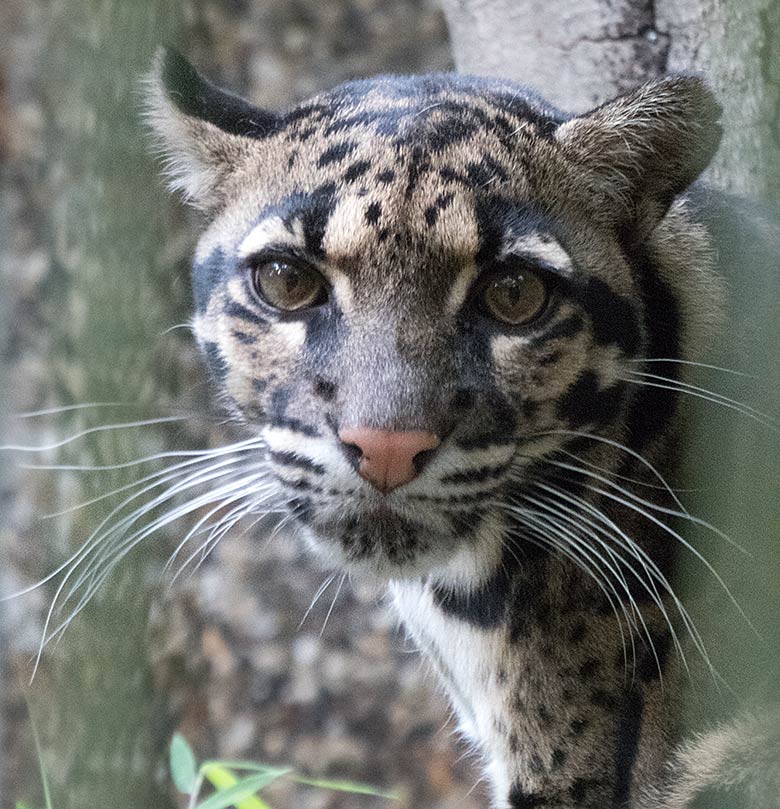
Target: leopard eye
(288, 286)
(515, 298)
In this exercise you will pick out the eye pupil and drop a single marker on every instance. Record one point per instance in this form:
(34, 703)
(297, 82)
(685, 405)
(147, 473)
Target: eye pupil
(517, 298)
(288, 286)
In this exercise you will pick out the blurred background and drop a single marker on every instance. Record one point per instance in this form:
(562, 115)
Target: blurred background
(94, 289)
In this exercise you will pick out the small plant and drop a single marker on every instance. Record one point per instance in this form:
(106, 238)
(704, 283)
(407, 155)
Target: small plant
(237, 783)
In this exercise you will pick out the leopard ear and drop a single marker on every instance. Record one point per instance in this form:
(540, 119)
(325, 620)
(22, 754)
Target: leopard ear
(641, 150)
(203, 132)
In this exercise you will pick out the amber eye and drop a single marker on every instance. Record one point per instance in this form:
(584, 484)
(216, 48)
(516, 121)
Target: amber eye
(516, 298)
(288, 286)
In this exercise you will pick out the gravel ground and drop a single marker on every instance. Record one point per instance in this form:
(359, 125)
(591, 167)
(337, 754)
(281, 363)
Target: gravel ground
(341, 693)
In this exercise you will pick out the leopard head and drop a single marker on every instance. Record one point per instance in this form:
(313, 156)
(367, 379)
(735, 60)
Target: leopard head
(419, 289)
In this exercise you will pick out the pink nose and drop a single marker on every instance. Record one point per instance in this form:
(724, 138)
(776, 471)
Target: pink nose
(387, 460)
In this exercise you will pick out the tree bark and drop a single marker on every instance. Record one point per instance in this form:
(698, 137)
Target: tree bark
(580, 54)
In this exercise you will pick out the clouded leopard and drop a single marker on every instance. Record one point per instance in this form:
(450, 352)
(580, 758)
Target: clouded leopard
(455, 322)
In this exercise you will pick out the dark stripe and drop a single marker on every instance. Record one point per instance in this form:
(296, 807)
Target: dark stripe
(285, 458)
(518, 799)
(241, 312)
(652, 409)
(484, 607)
(475, 475)
(628, 746)
(295, 425)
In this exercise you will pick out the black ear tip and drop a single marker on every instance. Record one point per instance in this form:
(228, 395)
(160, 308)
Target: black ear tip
(178, 77)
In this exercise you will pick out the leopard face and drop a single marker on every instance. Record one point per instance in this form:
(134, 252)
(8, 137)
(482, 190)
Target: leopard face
(417, 290)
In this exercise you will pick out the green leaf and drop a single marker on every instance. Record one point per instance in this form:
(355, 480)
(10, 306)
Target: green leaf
(345, 786)
(239, 764)
(184, 768)
(20, 805)
(242, 789)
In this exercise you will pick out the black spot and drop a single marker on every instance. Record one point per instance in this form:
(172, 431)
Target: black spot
(545, 717)
(243, 337)
(529, 408)
(314, 209)
(259, 385)
(485, 172)
(603, 699)
(432, 212)
(325, 390)
(356, 170)
(373, 212)
(519, 799)
(514, 742)
(418, 165)
(216, 362)
(653, 408)
(558, 758)
(589, 668)
(478, 475)
(336, 153)
(578, 726)
(587, 402)
(241, 312)
(386, 177)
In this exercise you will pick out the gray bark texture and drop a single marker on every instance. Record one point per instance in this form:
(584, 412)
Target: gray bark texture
(580, 54)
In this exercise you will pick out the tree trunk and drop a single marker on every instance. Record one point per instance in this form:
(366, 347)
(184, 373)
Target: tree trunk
(107, 301)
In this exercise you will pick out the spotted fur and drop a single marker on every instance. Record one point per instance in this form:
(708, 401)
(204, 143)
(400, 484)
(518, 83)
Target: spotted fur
(518, 558)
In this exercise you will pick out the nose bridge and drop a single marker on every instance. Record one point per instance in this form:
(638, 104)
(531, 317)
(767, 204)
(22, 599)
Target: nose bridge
(387, 389)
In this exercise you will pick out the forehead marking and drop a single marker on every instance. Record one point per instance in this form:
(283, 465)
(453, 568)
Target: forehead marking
(272, 230)
(541, 246)
(346, 229)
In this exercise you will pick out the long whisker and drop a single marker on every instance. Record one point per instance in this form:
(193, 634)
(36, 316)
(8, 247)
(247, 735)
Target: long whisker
(333, 603)
(675, 360)
(85, 548)
(685, 515)
(623, 448)
(127, 545)
(320, 592)
(592, 570)
(53, 411)
(579, 508)
(91, 431)
(650, 516)
(195, 458)
(636, 481)
(706, 395)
